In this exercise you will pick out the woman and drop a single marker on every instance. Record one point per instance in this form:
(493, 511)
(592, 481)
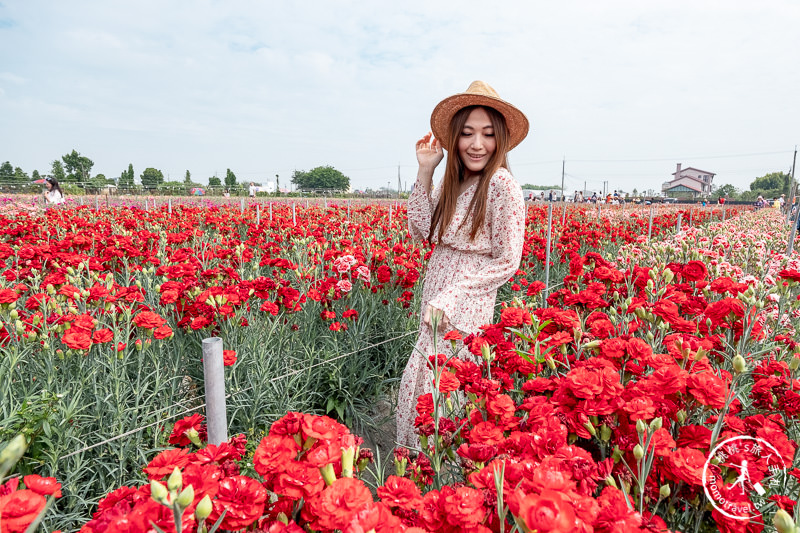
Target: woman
(53, 195)
(476, 217)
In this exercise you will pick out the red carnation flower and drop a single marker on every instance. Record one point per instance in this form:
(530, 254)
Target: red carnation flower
(243, 498)
(148, 320)
(464, 507)
(77, 339)
(46, 486)
(547, 512)
(228, 357)
(102, 335)
(19, 509)
(274, 452)
(694, 271)
(165, 462)
(400, 492)
(338, 503)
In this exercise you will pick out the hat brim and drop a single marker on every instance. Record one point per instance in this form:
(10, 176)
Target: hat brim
(443, 113)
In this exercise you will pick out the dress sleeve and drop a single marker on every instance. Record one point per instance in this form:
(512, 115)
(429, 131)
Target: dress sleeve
(506, 215)
(420, 211)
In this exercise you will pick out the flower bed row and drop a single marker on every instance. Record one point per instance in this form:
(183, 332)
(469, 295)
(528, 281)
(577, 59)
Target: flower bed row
(116, 302)
(598, 412)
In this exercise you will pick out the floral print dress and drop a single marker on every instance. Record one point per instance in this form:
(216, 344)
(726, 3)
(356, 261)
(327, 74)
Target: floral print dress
(462, 276)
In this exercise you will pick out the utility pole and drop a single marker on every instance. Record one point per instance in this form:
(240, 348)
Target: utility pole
(792, 190)
(605, 187)
(563, 164)
(399, 185)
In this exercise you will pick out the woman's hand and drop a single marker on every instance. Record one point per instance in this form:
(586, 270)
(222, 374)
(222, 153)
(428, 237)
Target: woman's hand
(429, 153)
(432, 313)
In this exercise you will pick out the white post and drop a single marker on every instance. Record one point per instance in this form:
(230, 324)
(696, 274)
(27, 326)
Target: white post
(348, 209)
(169, 206)
(270, 211)
(563, 215)
(792, 235)
(241, 206)
(306, 203)
(214, 381)
(326, 202)
(258, 214)
(723, 212)
(294, 214)
(146, 205)
(547, 251)
(650, 225)
(680, 216)
(96, 204)
(390, 214)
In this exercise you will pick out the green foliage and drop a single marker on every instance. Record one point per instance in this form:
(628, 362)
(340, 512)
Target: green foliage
(769, 186)
(6, 172)
(57, 171)
(187, 179)
(126, 179)
(78, 167)
(541, 187)
(174, 188)
(230, 179)
(326, 177)
(151, 178)
(35, 175)
(20, 175)
(773, 180)
(726, 191)
(214, 181)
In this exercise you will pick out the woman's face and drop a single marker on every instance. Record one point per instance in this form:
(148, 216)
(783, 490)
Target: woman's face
(476, 143)
(48, 185)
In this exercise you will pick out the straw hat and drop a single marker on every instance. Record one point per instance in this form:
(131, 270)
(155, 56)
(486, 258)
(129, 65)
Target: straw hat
(478, 93)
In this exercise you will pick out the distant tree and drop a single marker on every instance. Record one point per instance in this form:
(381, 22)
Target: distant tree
(77, 167)
(35, 175)
(541, 187)
(187, 179)
(97, 183)
(57, 171)
(769, 186)
(6, 173)
(126, 179)
(726, 191)
(634, 192)
(20, 175)
(773, 180)
(214, 181)
(325, 177)
(277, 185)
(172, 188)
(230, 179)
(151, 178)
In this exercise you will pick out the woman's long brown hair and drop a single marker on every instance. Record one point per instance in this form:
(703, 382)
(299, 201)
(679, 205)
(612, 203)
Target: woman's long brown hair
(454, 174)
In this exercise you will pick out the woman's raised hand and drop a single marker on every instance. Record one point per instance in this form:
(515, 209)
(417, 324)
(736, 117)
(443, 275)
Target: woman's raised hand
(429, 152)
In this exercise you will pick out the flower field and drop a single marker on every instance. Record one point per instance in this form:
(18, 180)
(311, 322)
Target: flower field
(592, 404)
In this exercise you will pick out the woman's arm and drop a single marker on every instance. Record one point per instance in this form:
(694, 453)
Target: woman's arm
(506, 212)
(420, 205)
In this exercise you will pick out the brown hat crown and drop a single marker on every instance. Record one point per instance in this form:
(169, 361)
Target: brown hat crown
(479, 93)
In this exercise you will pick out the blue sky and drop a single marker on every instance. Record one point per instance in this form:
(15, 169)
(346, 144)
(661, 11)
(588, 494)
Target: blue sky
(623, 89)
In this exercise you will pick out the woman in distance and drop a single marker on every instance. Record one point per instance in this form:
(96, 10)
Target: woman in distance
(475, 217)
(53, 195)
